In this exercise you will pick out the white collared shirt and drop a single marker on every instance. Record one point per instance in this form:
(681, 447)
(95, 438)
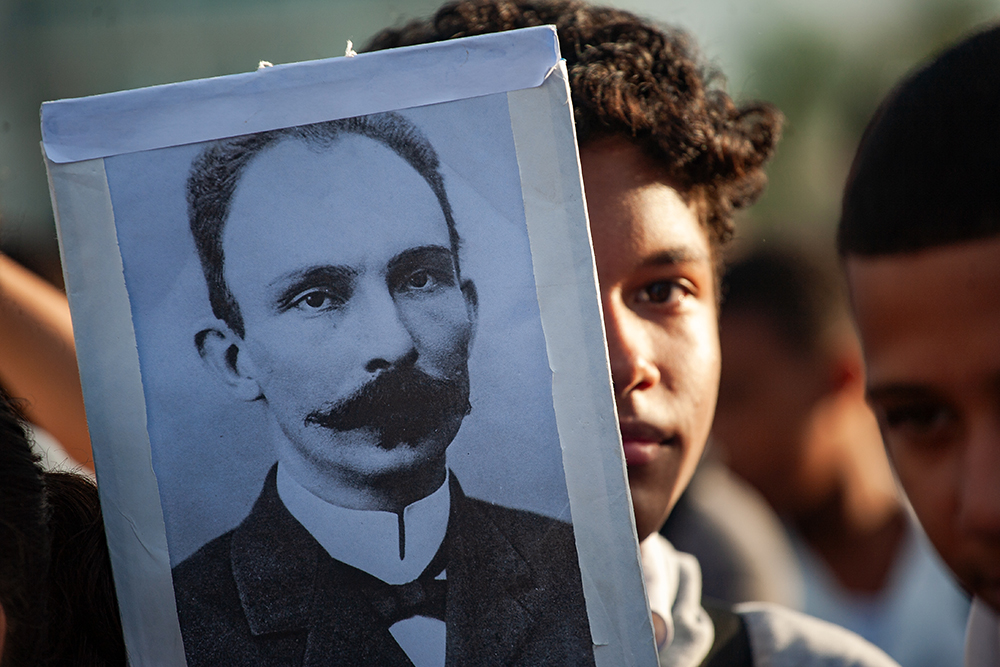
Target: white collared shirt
(370, 541)
(673, 588)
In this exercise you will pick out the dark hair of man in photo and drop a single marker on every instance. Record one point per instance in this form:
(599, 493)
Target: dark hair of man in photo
(919, 239)
(217, 172)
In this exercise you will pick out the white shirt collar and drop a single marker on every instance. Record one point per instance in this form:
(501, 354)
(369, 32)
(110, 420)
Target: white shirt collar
(369, 539)
(673, 588)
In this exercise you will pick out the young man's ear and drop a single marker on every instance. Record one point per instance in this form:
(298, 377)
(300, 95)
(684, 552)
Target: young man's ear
(222, 352)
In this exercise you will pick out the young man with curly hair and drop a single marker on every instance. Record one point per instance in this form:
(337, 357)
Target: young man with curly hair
(667, 157)
(919, 238)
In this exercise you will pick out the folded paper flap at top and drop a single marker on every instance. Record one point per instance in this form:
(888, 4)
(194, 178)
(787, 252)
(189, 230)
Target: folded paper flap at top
(272, 97)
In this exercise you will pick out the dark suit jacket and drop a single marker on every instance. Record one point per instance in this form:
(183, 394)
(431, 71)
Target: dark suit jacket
(267, 593)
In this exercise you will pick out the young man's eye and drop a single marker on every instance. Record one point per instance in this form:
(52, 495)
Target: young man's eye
(663, 291)
(918, 422)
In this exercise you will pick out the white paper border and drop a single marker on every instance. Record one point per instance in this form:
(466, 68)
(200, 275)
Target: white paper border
(109, 374)
(566, 284)
(299, 94)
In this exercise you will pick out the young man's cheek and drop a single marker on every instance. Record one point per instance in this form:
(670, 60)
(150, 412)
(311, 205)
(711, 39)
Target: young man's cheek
(931, 485)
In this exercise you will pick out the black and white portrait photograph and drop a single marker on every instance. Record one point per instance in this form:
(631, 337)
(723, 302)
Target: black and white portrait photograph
(343, 359)
(348, 395)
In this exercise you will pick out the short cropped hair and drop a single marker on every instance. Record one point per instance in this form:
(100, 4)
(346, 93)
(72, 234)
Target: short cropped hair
(640, 81)
(927, 171)
(798, 296)
(217, 171)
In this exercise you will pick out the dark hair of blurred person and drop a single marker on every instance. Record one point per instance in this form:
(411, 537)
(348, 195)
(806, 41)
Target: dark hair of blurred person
(84, 624)
(793, 421)
(925, 172)
(57, 599)
(23, 543)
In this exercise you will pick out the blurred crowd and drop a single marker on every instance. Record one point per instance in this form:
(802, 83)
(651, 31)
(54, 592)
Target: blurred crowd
(826, 365)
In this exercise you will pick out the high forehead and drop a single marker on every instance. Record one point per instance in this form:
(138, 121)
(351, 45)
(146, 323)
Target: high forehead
(348, 166)
(929, 314)
(634, 209)
(349, 193)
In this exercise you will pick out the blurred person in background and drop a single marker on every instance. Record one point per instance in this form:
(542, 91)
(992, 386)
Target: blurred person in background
(38, 365)
(919, 239)
(741, 544)
(84, 628)
(24, 548)
(792, 421)
(57, 601)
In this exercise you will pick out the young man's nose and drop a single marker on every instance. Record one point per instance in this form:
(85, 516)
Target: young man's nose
(383, 336)
(979, 491)
(630, 350)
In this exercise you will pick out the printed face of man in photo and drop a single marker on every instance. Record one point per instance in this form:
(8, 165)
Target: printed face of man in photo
(357, 324)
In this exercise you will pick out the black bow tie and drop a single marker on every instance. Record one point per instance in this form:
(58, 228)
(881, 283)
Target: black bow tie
(424, 596)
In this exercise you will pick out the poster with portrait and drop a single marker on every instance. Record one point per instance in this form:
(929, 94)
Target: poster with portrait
(341, 350)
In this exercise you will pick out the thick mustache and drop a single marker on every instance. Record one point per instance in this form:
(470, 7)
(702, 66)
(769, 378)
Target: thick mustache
(402, 404)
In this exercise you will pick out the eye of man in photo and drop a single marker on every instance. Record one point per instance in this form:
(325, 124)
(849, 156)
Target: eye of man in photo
(421, 272)
(317, 289)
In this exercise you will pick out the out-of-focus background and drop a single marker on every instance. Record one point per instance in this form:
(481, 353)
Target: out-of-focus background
(825, 63)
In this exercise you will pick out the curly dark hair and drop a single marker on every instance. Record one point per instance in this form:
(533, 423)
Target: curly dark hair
(632, 78)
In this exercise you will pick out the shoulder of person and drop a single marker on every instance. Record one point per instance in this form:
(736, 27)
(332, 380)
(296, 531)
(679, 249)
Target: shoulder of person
(520, 525)
(547, 544)
(781, 637)
(198, 575)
